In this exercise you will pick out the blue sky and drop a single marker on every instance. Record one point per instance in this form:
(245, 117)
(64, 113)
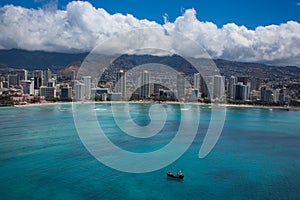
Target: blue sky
(251, 13)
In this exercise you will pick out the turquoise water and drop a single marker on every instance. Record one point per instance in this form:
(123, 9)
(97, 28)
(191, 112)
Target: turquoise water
(42, 157)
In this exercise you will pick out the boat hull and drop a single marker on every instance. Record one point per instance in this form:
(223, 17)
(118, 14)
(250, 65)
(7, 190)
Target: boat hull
(177, 176)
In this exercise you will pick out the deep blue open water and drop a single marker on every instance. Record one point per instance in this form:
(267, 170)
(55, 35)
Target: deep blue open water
(256, 157)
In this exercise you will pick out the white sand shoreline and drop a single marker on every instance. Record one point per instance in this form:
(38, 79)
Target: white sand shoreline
(169, 102)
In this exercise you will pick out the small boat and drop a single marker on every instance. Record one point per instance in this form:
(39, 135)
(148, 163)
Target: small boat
(178, 175)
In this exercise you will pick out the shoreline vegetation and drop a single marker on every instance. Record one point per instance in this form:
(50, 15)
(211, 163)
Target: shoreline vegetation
(166, 102)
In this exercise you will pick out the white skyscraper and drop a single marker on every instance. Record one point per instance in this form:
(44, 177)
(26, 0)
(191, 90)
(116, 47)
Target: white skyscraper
(219, 87)
(28, 86)
(79, 91)
(145, 88)
(87, 88)
(197, 81)
(121, 83)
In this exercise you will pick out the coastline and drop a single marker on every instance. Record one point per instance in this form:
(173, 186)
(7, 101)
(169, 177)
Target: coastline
(167, 102)
(41, 104)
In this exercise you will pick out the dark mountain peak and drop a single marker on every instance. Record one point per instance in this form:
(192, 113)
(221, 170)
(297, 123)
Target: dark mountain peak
(31, 60)
(17, 58)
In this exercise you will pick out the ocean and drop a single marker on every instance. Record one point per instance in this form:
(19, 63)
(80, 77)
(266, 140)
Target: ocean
(43, 157)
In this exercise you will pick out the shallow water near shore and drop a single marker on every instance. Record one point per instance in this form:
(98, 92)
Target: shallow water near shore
(256, 157)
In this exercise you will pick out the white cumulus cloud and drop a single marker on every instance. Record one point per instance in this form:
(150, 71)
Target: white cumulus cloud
(80, 26)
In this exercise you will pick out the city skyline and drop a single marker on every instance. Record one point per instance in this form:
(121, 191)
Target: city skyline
(39, 85)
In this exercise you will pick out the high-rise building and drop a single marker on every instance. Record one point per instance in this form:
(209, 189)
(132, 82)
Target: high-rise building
(255, 84)
(51, 83)
(231, 87)
(66, 92)
(13, 80)
(207, 86)
(47, 76)
(246, 81)
(48, 92)
(38, 78)
(121, 83)
(73, 75)
(282, 95)
(28, 86)
(266, 95)
(180, 86)
(23, 74)
(79, 91)
(241, 91)
(197, 78)
(87, 83)
(219, 87)
(145, 85)
(276, 93)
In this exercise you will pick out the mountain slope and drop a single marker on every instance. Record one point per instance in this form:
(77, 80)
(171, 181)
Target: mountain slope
(32, 60)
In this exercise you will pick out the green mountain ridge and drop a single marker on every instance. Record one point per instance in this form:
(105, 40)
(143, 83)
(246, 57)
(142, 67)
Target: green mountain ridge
(32, 60)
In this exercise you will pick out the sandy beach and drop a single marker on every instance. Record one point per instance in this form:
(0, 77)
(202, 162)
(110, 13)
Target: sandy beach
(168, 102)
